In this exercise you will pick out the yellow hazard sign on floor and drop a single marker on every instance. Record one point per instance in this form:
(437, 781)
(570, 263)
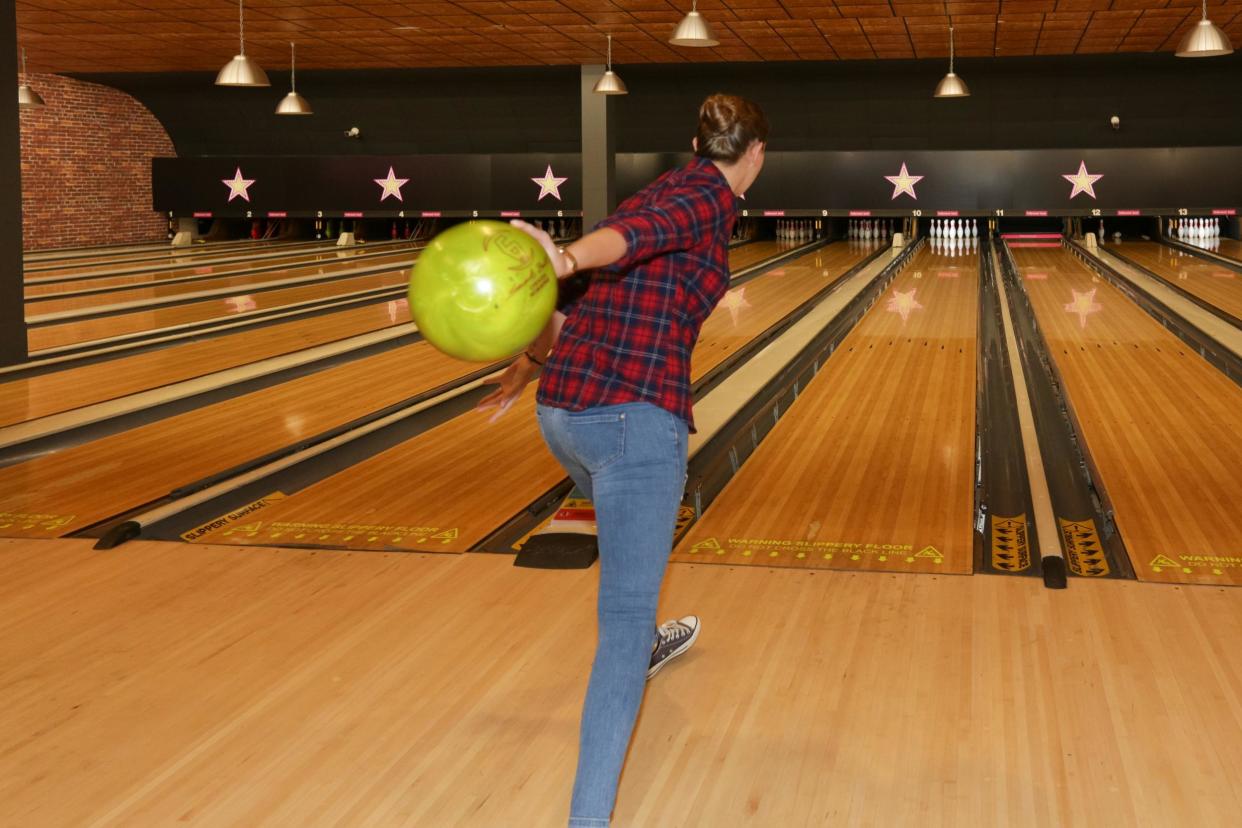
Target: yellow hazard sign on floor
(1010, 546)
(1084, 554)
(232, 517)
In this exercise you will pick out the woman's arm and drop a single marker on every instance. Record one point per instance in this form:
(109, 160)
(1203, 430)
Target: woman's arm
(514, 379)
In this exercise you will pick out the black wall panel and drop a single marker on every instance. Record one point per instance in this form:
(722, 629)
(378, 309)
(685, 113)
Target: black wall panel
(399, 112)
(1018, 103)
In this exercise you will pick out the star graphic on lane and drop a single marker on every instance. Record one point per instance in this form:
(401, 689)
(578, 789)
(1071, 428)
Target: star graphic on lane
(1083, 181)
(903, 182)
(1084, 305)
(549, 185)
(238, 186)
(391, 186)
(903, 304)
(735, 301)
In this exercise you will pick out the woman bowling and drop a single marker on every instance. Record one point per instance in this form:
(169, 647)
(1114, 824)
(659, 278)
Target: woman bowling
(614, 405)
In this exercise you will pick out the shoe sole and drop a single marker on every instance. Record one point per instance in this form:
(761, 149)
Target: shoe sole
(689, 642)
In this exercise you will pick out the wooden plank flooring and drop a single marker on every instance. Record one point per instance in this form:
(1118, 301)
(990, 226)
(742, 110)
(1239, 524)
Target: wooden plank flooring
(1161, 423)
(1213, 283)
(162, 684)
(449, 488)
(873, 466)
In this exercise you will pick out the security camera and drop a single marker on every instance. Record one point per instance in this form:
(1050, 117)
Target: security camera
(353, 132)
(1115, 121)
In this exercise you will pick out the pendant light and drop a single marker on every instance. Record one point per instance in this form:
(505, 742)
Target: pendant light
(1204, 40)
(241, 70)
(293, 103)
(951, 86)
(27, 98)
(610, 83)
(693, 30)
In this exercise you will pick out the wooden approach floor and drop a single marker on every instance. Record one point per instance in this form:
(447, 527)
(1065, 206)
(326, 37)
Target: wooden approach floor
(1161, 424)
(873, 466)
(163, 684)
(1213, 283)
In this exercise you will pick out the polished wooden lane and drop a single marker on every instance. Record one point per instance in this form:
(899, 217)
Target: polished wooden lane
(52, 282)
(451, 486)
(1215, 284)
(89, 330)
(1231, 248)
(167, 253)
(142, 248)
(154, 685)
(1160, 423)
(69, 388)
(64, 492)
(325, 266)
(873, 466)
(63, 390)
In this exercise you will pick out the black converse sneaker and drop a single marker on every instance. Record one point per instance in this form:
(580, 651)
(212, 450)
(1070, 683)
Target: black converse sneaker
(672, 639)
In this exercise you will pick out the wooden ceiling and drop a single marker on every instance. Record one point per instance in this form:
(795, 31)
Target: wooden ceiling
(174, 35)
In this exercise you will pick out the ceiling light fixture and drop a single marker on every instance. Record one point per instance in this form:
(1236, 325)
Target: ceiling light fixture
(241, 70)
(951, 86)
(693, 30)
(610, 83)
(1205, 40)
(293, 103)
(27, 98)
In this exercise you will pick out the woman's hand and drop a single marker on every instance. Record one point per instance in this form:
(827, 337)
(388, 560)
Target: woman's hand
(560, 262)
(513, 381)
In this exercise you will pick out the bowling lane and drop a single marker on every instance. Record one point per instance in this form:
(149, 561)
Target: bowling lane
(1160, 423)
(325, 265)
(873, 466)
(39, 396)
(166, 252)
(447, 489)
(64, 492)
(1215, 284)
(1230, 248)
(89, 330)
(38, 284)
(71, 388)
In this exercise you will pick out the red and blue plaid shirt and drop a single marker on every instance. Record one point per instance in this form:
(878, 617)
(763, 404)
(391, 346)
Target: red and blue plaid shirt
(630, 336)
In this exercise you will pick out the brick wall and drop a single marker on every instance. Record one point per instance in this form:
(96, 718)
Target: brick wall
(86, 166)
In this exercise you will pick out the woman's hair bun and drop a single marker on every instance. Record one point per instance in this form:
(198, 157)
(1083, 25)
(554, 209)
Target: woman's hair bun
(728, 125)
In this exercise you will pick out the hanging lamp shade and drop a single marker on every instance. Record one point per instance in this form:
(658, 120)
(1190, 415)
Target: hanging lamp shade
(241, 70)
(693, 30)
(1205, 40)
(610, 83)
(27, 98)
(951, 86)
(293, 103)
